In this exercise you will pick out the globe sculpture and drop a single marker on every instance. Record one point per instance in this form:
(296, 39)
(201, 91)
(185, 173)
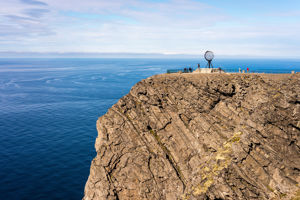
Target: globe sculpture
(209, 56)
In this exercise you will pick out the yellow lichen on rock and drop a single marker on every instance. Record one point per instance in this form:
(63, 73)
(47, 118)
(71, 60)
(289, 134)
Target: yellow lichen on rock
(217, 164)
(297, 196)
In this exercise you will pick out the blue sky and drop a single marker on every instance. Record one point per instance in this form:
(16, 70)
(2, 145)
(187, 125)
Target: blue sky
(228, 27)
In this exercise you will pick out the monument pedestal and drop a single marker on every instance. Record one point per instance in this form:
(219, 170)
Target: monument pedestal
(208, 70)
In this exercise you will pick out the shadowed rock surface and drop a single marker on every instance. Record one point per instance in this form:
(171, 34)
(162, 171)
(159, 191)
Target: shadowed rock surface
(200, 136)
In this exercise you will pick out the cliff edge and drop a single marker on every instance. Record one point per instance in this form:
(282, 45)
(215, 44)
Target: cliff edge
(200, 136)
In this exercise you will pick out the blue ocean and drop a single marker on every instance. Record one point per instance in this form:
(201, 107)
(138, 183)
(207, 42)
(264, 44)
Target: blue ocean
(48, 113)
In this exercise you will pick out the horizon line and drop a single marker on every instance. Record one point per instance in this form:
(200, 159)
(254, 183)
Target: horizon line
(23, 54)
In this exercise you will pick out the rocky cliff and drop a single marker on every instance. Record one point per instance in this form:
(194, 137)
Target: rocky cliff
(200, 136)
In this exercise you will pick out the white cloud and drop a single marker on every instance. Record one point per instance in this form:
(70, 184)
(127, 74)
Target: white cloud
(175, 26)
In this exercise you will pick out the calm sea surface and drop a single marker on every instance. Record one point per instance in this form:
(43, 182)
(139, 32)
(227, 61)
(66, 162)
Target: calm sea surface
(48, 112)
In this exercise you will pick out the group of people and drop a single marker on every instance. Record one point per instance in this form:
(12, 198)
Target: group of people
(187, 70)
(243, 70)
(190, 70)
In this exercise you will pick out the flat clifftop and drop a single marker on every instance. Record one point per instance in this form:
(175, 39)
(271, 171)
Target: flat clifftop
(200, 136)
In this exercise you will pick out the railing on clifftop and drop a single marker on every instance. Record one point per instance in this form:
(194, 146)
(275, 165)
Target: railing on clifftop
(185, 70)
(237, 70)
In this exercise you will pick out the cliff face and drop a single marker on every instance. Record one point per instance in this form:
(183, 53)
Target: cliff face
(197, 136)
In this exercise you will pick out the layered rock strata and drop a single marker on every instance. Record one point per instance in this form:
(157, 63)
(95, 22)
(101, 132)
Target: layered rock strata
(200, 136)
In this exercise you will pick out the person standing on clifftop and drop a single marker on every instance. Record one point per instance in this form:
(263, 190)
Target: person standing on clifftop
(247, 70)
(198, 65)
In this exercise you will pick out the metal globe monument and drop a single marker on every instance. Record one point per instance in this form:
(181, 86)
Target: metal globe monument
(209, 56)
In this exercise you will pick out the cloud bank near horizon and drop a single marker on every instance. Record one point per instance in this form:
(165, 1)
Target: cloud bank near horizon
(145, 26)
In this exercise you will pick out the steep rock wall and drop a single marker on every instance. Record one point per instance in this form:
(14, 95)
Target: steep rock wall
(197, 136)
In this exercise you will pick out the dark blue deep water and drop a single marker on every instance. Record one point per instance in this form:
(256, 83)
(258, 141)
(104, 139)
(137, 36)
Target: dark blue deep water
(48, 112)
